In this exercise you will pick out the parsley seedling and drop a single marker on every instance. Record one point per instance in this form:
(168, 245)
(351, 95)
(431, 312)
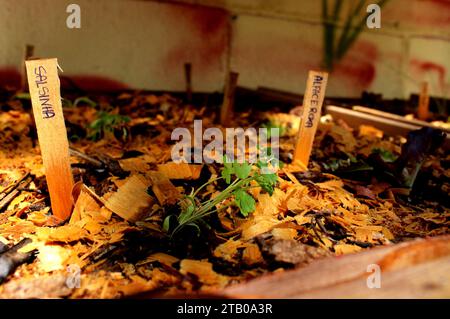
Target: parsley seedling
(238, 176)
(107, 123)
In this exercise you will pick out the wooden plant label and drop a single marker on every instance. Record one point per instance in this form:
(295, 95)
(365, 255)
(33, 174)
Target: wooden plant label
(424, 102)
(226, 112)
(44, 84)
(312, 106)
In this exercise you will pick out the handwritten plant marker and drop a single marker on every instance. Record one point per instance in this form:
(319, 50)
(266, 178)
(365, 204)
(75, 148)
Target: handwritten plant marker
(45, 95)
(226, 112)
(424, 102)
(312, 106)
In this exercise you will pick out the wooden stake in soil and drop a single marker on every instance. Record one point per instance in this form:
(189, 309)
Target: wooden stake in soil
(424, 102)
(29, 52)
(312, 105)
(44, 85)
(188, 77)
(226, 111)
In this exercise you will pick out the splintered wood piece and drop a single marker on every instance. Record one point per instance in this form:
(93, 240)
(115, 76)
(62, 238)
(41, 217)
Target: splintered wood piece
(44, 87)
(29, 52)
(188, 78)
(84, 202)
(180, 170)
(424, 102)
(312, 106)
(131, 201)
(346, 276)
(226, 111)
(164, 190)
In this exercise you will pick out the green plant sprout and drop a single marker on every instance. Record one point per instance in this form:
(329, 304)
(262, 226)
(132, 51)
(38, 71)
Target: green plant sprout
(77, 101)
(107, 123)
(386, 156)
(23, 96)
(239, 178)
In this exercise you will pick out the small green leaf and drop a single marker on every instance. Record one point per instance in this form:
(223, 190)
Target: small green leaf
(242, 170)
(261, 164)
(85, 100)
(385, 155)
(228, 170)
(66, 102)
(245, 202)
(267, 182)
(23, 96)
(106, 122)
(186, 214)
(166, 223)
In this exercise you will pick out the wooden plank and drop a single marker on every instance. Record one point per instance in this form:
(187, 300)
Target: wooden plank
(44, 87)
(395, 117)
(226, 112)
(346, 276)
(390, 126)
(312, 106)
(424, 280)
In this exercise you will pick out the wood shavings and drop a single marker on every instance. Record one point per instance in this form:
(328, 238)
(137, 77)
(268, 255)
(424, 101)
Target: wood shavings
(370, 131)
(203, 270)
(228, 250)
(50, 286)
(290, 251)
(161, 257)
(85, 203)
(342, 249)
(180, 171)
(131, 201)
(52, 258)
(252, 255)
(64, 234)
(284, 233)
(115, 233)
(165, 192)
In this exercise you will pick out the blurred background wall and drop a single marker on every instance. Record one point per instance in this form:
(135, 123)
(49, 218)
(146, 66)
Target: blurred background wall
(272, 43)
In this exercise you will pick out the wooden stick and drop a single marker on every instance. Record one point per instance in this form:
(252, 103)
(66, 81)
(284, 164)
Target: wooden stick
(29, 52)
(424, 102)
(396, 117)
(44, 87)
(312, 106)
(226, 111)
(188, 77)
(389, 126)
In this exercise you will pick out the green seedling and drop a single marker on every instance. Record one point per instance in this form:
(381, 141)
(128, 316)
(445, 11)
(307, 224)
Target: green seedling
(107, 123)
(238, 177)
